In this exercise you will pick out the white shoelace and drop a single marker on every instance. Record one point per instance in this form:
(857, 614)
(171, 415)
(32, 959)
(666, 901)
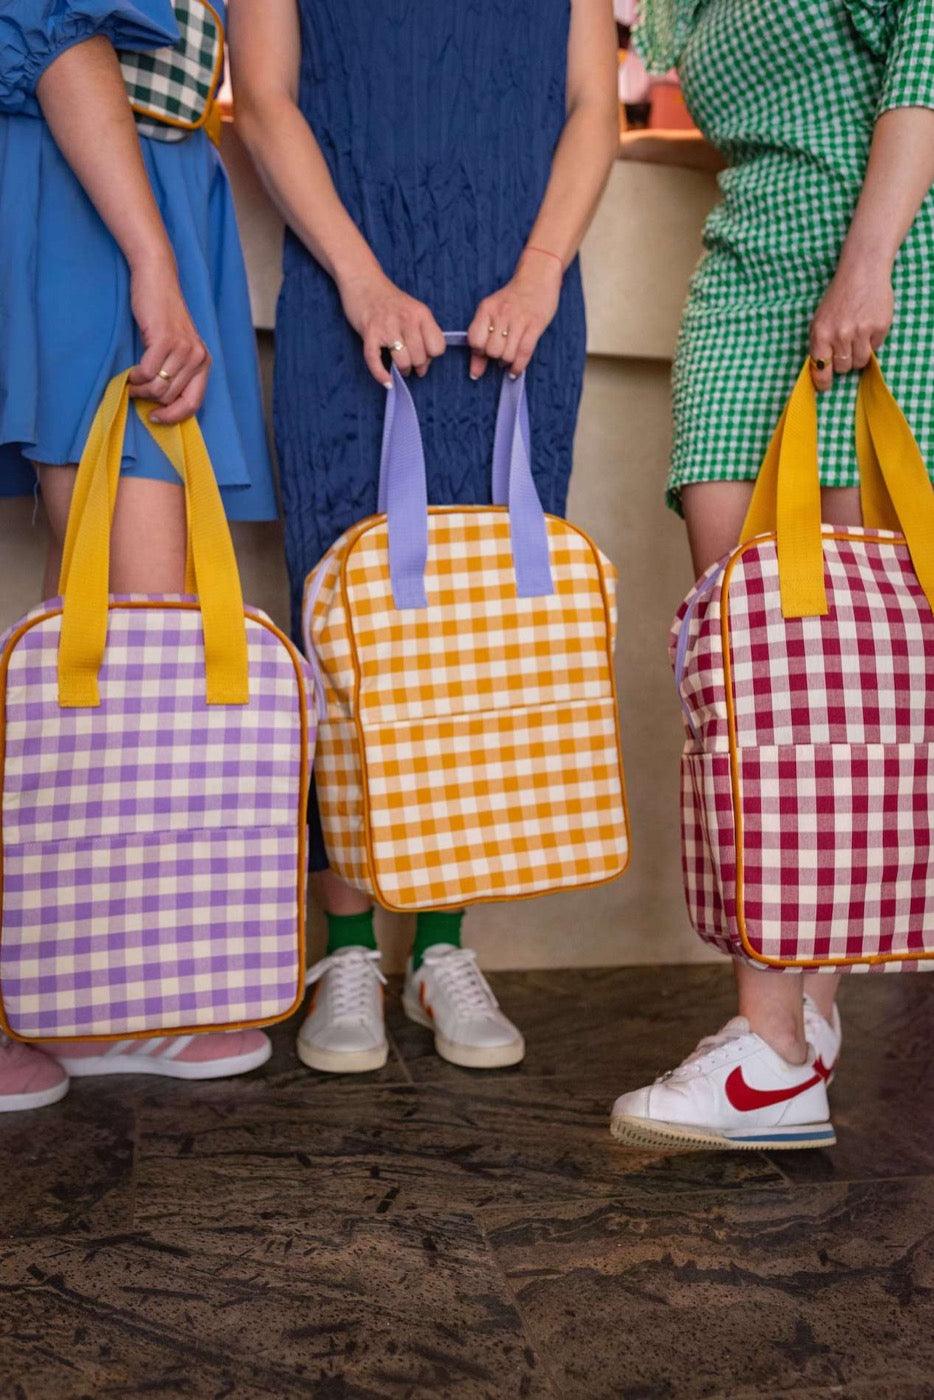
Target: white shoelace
(459, 979)
(351, 984)
(707, 1052)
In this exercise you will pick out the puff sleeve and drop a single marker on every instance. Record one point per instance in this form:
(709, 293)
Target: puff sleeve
(34, 32)
(909, 70)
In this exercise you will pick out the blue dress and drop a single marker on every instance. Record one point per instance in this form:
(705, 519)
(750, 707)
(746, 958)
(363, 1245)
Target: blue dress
(438, 120)
(65, 321)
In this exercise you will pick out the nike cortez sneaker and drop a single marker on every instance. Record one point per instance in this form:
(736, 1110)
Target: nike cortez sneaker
(825, 1036)
(733, 1091)
(344, 1031)
(214, 1055)
(28, 1077)
(449, 994)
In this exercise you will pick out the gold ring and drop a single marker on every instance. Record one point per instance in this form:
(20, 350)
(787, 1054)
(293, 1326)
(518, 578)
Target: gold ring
(162, 375)
(397, 345)
(818, 364)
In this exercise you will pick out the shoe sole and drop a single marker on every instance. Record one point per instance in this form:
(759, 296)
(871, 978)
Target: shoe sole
(342, 1061)
(21, 1103)
(466, 1056)
(675, 1137)
(92, 1066)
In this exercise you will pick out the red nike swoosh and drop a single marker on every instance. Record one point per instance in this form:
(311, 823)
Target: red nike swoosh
(745, 1098)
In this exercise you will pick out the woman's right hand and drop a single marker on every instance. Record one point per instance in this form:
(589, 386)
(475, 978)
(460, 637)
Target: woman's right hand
(383, 315)
(853, 319)
(172, 345)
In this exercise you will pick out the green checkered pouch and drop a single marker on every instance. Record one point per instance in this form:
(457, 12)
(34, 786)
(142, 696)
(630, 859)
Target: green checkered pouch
(171, 89)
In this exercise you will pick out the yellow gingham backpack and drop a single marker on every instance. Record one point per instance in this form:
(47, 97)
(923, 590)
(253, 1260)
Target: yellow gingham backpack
(468, 746)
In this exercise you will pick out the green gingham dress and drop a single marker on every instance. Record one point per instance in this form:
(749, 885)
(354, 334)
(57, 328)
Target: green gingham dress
(789, 91)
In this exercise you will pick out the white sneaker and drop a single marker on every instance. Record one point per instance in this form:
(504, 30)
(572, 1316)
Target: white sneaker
(450, 994)
(825, 1036)
(734, 1091)
(344, 1031)
(211, 1055)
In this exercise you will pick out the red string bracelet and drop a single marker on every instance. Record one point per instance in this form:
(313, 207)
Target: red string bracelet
(533, 248)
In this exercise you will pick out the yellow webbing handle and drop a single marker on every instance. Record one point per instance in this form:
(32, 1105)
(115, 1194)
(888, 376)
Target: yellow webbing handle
(899, 471)
(877, 509)
(895, 489)
(105, 439)
(215, 564)
(211, 566)
(214, 121)
(787, 500)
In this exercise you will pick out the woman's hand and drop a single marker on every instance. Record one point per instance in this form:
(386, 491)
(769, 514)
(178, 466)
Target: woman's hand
(83, 99)
(384, 316)
(852, 320)
(507, 326)
(173, 346)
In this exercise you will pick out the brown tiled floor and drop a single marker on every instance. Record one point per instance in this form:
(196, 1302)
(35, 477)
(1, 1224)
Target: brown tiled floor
(431, 1232)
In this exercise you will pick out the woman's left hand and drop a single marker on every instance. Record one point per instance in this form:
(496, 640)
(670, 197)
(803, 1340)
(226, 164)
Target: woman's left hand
(507, 326)
(852, 320)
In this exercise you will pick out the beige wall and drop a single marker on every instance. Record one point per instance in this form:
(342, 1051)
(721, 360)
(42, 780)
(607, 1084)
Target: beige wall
(636, 264)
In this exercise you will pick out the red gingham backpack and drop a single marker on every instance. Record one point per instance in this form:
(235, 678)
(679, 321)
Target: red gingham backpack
(804, 663)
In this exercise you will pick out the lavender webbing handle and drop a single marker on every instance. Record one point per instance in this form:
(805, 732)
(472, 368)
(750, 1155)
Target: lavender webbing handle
(403, 491)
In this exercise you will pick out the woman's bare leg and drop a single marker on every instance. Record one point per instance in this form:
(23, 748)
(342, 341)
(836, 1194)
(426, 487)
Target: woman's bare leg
(335, 896)
(147, 544)
(773, 1005)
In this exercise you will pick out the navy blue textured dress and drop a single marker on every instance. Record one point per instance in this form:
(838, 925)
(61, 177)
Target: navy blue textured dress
(438, 120)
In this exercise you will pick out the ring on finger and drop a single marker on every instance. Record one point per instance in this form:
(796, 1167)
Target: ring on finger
(505, 333)
(491, 328)
(819, 363)
(163, 375)
(397, 345)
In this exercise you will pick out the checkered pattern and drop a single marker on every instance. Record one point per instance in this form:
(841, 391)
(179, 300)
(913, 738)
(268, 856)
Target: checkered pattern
(470, 750)
(790, 94)
(834, 758)
(151, 845)
(178, 83)
(707, 845)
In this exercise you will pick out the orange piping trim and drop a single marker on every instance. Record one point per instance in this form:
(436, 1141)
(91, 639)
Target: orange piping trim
(369, 524)
(872, 959)
(304, 783)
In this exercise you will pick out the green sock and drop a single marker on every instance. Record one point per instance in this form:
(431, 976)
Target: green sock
(436, 926)
(350, 931)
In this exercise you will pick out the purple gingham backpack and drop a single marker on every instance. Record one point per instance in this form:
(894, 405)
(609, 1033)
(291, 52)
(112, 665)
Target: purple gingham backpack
(154, 774)
(805, 668)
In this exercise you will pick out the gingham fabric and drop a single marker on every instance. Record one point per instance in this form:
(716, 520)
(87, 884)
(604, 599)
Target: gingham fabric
(789, 93)
(178, 83)
(830, 770)
(469, 750)
(152, 847)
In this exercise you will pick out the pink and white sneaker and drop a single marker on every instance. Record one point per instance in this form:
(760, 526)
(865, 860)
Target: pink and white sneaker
(733, 1091)
(214, 1055)
(28, 1077)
